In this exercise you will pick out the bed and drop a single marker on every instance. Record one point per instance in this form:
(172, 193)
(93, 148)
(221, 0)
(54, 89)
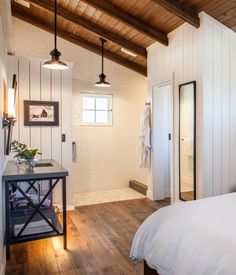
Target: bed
(197, 238)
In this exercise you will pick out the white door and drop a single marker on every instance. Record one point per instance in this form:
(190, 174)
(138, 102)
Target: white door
(162, 122)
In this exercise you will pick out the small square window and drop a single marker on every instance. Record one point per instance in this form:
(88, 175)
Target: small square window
(97, 109)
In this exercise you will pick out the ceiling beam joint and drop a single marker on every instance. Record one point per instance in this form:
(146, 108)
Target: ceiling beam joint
(128, 19)
(181, 10)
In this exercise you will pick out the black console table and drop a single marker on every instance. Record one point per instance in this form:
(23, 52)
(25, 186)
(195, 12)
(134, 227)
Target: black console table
(22, 218)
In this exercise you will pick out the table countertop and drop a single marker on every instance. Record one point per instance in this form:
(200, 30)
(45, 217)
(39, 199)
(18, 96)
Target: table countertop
(12, 172)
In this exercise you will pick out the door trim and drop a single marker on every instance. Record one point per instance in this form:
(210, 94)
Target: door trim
(163, 81)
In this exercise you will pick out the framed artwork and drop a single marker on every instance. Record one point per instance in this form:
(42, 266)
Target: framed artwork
(41, 113)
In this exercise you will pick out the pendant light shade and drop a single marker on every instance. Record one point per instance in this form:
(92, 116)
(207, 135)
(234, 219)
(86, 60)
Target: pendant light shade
(55, 63)
(102, 77)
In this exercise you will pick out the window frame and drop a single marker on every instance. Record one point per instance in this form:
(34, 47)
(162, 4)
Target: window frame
(110, 110)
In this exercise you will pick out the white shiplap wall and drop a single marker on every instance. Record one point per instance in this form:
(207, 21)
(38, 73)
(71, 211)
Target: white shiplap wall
(219, 101)
(37, 83)
(179, 59)
(207, 55)
(3, 78)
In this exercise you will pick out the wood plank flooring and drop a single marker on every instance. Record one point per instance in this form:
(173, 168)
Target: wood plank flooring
(99, 241)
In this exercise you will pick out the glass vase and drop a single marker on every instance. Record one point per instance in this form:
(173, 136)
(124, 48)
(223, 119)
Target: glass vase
(29, 165)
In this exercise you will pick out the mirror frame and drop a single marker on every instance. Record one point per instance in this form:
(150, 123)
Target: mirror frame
(194, 142)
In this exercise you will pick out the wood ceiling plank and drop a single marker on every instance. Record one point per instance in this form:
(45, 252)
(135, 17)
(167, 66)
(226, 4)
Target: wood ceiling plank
(207, 5)
(17, 12)
(181, 10)
(227, 15)
(127, 18)
(127, 6)
(222, 8)
(88, 14)
(81, 8)
(95, 28)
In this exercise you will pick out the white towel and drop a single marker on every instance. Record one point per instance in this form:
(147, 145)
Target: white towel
(34, 198)
(145, 138)
(33, 228)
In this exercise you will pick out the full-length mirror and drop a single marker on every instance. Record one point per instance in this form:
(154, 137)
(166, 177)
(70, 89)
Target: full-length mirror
(187, 141)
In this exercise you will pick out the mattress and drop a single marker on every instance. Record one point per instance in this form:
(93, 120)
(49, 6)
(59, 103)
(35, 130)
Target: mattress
(190, 238)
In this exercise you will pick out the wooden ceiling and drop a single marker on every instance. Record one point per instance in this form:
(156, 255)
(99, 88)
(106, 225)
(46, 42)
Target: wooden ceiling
(129, 24)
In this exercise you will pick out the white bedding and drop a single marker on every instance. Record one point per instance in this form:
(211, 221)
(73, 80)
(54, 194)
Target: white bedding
(190, 238)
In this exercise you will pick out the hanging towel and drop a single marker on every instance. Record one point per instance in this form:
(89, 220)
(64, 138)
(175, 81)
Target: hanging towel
(34, 198)
(145, 138)
(36, 227)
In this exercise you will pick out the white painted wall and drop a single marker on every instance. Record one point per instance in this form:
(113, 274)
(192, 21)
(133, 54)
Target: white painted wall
(219, 101)
(38, 83)
(207, 55)
(108, 156)
(181, 61)
(3, 78)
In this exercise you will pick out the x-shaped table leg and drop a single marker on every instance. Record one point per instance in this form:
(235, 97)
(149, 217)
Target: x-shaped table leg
(31, 186)
(36, 207)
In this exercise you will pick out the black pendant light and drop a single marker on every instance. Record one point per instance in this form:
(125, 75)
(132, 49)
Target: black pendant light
(55, 63)
(102, 82)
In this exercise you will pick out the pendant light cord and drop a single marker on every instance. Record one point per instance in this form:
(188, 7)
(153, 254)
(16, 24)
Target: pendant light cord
(55, 23)
(102, 55)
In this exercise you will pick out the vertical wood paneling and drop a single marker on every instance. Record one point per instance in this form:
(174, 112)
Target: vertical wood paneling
(66, 122)
(225, 111)
(37, 83)
(46, 132)
(232, 113)
(13, 69)
(180, 58)
(66, 102)
(196, 57)
(223, 100)
(24, 94)
(217, 157)
(56, 131)
(208, 110)
(188, 54)
(207, 55)
(166, 61)
(160, 63)
(35, 89)
(178, 67)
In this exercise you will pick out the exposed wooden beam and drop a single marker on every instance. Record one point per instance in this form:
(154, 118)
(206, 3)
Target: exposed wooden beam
(95, 28)
(127, 18)
(181, 10)
(79, 41)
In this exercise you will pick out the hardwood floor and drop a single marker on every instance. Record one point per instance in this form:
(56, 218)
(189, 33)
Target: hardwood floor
(99, 241)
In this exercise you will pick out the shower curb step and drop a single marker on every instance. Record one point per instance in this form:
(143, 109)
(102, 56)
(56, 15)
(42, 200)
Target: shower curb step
(138, 186)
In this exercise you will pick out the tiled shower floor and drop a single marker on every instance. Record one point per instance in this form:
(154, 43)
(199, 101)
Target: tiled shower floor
(89, 198)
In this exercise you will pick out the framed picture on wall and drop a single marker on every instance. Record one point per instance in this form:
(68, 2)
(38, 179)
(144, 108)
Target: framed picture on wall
(41, 113)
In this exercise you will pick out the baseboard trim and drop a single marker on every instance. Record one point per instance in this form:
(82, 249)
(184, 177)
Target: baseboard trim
(69, 207)
(138, 186)
(167, 193)
(3, 262)
(150, 195)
